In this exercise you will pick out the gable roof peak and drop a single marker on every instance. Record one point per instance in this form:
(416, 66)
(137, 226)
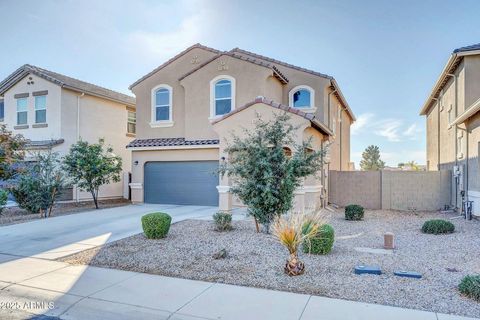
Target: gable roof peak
(64, 82)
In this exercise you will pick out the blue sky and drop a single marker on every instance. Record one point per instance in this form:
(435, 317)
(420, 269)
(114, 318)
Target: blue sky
(386, 55)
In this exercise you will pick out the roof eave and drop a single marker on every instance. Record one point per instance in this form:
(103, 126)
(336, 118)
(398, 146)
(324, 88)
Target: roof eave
(438, 83)
(342, 98)
(124, 102)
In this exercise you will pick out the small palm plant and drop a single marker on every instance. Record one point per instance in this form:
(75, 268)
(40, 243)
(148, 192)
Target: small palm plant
(292, 231)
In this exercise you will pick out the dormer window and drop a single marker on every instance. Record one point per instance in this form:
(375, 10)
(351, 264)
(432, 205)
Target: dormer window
(162, 106)
(222, 96)
(303, 98)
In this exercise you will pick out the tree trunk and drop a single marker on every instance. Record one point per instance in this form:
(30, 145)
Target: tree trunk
(52, 202)
(95, 199)
(294, 267)
(256, 225)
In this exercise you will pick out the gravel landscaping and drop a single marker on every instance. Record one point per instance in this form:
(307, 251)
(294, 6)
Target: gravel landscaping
(257, 260)
(14, 215)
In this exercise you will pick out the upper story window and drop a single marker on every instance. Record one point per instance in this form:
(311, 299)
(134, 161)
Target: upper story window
(40, 109)
(222, 95)
(2, 110)
(302, 97)
(22, 111)
(162, 106)
(132, 122)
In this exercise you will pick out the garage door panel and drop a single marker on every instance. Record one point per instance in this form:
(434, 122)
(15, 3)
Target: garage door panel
(182, 182)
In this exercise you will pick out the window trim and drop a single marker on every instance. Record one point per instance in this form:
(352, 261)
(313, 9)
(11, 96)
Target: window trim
(161, 123)
(35, 108)
(312, 107)
(16, 110)
(213, 82)
(134, 122)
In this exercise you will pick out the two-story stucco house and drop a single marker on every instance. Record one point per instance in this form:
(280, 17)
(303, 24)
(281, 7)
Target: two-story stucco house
(188, 107)
(453, 125)
(54, 111)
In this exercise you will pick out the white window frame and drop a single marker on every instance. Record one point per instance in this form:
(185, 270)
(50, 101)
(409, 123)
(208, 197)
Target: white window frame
(213, 82)
(134, 122)
(16, 108)
(154, 123)
(39, 109)
(312, 107)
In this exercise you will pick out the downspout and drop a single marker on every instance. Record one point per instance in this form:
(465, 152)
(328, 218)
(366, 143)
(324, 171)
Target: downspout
(456, 130)
(438, 133)
(340, 128)
(328, 115)
(78, 135)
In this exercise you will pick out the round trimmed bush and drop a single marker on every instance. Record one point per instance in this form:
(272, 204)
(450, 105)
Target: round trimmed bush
(438, 226)
(223, 221)
(354, 212)
(156, 225)
(470, 286)
(322, 242)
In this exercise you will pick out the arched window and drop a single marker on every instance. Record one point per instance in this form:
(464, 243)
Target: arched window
(162, 106)
(222, 95)
(302, 97)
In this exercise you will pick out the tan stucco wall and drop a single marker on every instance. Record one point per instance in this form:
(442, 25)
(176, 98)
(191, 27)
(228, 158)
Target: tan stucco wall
(163, 155)
(99, 118)
(53, 108)
(251, 81)
(168, 75)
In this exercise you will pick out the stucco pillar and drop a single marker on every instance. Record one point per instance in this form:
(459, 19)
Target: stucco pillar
(225, 198)
(299, 200)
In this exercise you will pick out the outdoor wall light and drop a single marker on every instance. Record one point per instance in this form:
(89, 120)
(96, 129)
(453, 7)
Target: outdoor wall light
(135, 163)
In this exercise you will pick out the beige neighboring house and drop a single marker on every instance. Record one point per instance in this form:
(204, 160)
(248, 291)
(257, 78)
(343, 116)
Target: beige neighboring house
(54, 111)
(188, 108)
(453, 125)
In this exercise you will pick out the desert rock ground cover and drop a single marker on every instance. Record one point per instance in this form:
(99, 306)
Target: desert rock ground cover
(258, 259)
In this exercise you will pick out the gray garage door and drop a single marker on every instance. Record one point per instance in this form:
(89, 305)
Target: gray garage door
(182, 182)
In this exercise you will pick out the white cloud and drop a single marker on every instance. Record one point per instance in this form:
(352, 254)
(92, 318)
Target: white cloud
(389, 128)
(413, 132)
(158, 46)
(362, 122)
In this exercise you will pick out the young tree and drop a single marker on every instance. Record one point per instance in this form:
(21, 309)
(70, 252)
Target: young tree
(39, 185)
(92, 165)
(371, 159)
(11, 152)
(264, 176)
(413, 166)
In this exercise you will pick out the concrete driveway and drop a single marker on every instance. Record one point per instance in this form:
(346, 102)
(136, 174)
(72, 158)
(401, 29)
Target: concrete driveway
(60, 236)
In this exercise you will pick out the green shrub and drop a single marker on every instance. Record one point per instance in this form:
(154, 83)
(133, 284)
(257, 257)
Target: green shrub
(156, 225)
(3, 199)
(223, 221)
(438, 226)
(322, 242)
(354, 212)
(470, 286)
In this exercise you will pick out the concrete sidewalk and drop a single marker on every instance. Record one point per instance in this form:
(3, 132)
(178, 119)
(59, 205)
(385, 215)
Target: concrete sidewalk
(82, 292)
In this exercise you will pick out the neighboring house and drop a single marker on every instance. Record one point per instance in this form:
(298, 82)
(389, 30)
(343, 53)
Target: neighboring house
(54, 111)
(188, 107)
(453, 125)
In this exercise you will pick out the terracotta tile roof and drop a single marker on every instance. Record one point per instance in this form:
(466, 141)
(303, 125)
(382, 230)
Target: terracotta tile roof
(42, 144)
(274, 69)
(197, 45)
(468, 48)
(170, 142)
(285, 64)
(65, 82)
(309, 116)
